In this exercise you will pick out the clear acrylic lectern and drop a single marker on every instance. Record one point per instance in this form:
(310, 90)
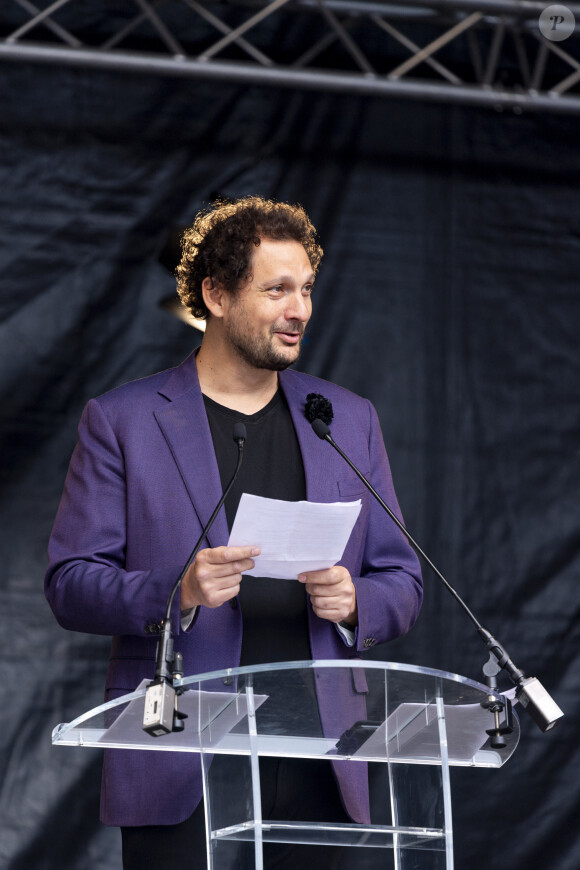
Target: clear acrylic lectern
(405, 725)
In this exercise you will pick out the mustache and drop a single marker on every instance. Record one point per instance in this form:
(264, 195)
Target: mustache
(291, 326)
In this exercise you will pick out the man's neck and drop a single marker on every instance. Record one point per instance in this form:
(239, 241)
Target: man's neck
(231, 382)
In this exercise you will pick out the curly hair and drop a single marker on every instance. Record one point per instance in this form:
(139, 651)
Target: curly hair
(221, 242)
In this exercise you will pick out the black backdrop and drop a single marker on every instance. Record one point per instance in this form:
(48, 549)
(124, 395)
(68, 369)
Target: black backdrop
(448, 296)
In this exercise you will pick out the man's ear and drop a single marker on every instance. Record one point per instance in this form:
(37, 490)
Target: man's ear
(213, 296)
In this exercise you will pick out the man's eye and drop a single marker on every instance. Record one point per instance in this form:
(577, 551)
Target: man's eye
(308, 289)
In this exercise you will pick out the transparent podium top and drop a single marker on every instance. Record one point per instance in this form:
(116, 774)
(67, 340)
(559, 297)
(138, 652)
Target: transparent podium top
(359, 710)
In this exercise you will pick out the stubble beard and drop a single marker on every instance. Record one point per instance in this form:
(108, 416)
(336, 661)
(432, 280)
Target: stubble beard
(260, 353)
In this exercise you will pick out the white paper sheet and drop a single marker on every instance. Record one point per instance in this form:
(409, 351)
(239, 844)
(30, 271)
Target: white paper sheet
(294, 536)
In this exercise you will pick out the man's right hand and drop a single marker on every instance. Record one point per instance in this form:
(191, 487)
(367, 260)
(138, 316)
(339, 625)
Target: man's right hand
(215, 576)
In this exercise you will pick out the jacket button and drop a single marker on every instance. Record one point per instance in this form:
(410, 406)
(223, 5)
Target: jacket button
(227, 681)
(152, 628)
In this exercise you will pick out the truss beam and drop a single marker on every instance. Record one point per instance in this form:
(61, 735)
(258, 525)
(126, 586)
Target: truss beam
(471, 52)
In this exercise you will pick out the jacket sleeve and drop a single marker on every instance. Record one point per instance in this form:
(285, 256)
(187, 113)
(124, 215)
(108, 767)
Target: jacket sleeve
(389, 589)
(86, 584)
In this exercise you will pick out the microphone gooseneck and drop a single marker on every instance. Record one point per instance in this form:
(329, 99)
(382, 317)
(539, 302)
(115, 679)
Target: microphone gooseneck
(161, 715)
(239, 436)
(530, 692)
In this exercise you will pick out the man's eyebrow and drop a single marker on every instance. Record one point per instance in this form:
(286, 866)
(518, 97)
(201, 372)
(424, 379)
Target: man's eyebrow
(287, 279)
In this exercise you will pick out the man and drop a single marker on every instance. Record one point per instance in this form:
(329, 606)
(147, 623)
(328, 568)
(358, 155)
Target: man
(149, 468)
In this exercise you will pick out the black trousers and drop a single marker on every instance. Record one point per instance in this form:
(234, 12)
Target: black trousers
(292, 789)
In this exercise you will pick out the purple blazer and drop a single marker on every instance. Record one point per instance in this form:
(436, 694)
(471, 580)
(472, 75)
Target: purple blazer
(143, 481)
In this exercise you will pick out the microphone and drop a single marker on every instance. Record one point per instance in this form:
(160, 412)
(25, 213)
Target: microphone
(529, 691)
(161, 715)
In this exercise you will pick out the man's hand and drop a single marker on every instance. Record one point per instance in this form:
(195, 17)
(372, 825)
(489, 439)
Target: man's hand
(215, 576)
(332, 594)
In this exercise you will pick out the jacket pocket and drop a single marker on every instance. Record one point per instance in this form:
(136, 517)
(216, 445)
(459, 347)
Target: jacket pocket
(352, 487)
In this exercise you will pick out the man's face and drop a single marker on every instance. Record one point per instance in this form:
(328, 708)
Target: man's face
(264, 321)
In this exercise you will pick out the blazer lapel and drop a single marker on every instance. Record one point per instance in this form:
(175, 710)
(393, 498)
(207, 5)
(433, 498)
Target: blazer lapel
(183, 422)
(317, 456)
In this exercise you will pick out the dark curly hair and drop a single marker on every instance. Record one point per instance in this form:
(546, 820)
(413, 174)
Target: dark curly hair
(222, 239)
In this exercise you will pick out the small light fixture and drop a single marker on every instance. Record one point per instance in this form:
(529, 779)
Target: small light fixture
(174, 306)
(169, 257)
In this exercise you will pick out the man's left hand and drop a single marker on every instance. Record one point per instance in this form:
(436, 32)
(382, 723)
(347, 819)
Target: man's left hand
(332, 594)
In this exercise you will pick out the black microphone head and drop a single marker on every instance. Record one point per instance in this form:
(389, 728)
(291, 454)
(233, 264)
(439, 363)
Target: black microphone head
(318, 408)
(239, 433)
(320, 428)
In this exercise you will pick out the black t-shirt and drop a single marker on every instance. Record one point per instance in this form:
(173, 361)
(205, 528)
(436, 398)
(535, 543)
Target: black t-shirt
(273, 611)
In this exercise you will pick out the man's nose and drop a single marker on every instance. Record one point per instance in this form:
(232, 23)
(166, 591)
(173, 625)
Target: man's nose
(299, 307)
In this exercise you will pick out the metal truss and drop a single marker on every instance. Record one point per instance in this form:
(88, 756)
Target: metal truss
(474, 52)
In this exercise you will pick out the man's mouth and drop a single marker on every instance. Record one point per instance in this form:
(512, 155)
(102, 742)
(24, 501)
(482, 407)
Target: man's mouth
(289, 337)
(291, 333)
